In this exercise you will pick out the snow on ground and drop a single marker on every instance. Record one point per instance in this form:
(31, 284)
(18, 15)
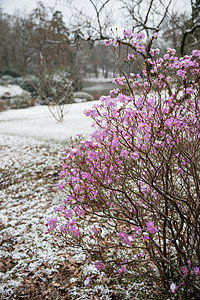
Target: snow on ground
(28, 192)
(99, 79)
(38, 122)
(31, 146)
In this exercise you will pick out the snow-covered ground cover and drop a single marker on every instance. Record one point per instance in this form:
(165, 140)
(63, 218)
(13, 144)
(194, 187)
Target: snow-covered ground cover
(31, 146)
(12, 90)
(28, 192)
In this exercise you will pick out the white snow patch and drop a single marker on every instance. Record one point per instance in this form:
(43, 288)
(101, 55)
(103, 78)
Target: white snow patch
(12, 90)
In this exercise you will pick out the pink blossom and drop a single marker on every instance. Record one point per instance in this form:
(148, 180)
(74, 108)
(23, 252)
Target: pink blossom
(166, 56)
(115, 43)
(182, 73)
(127, 239)
(123, 270)
(127, 33)
(185, 270)
(124, 153)
(196, 53)
(145, 237)
(68, 213)
(189, 262)
(139, 35)
(94, 229)
(196, 271)
(151, 228)
(138, 229)
(62, 227)
(155, 35)
(130, 56)
(171, 51)
(108, 42)
(71, 229)
(99, 265)
(140, 48)
(154, 51)
(189, 90)
(61, 186)
(52, 223)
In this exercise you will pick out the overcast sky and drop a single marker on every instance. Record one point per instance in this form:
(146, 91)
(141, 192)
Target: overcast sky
(10, 6)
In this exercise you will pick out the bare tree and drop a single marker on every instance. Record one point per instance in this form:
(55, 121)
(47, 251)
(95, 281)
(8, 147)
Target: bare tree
(94, 25)
(22, 42)
(181, 30)
(5, 36)
(145, 15)
(180, 18)
(55, 91)
(191, 32)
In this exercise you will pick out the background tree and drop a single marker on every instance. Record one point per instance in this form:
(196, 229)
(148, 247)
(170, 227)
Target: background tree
(176, 21)
(181, 31)
(191, 31)
(92, 26)
(42, 41)
(5, 39)
(21, 43)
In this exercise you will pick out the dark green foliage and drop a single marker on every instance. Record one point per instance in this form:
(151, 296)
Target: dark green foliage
(10, 72)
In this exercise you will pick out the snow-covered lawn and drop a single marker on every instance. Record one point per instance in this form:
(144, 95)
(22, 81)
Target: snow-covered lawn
(38, 122)
(31, 146)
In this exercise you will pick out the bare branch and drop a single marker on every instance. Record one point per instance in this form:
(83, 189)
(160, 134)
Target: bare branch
(148, 12)
(186, 34)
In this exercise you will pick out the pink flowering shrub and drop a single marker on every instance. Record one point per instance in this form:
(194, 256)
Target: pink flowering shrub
(133, 189)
